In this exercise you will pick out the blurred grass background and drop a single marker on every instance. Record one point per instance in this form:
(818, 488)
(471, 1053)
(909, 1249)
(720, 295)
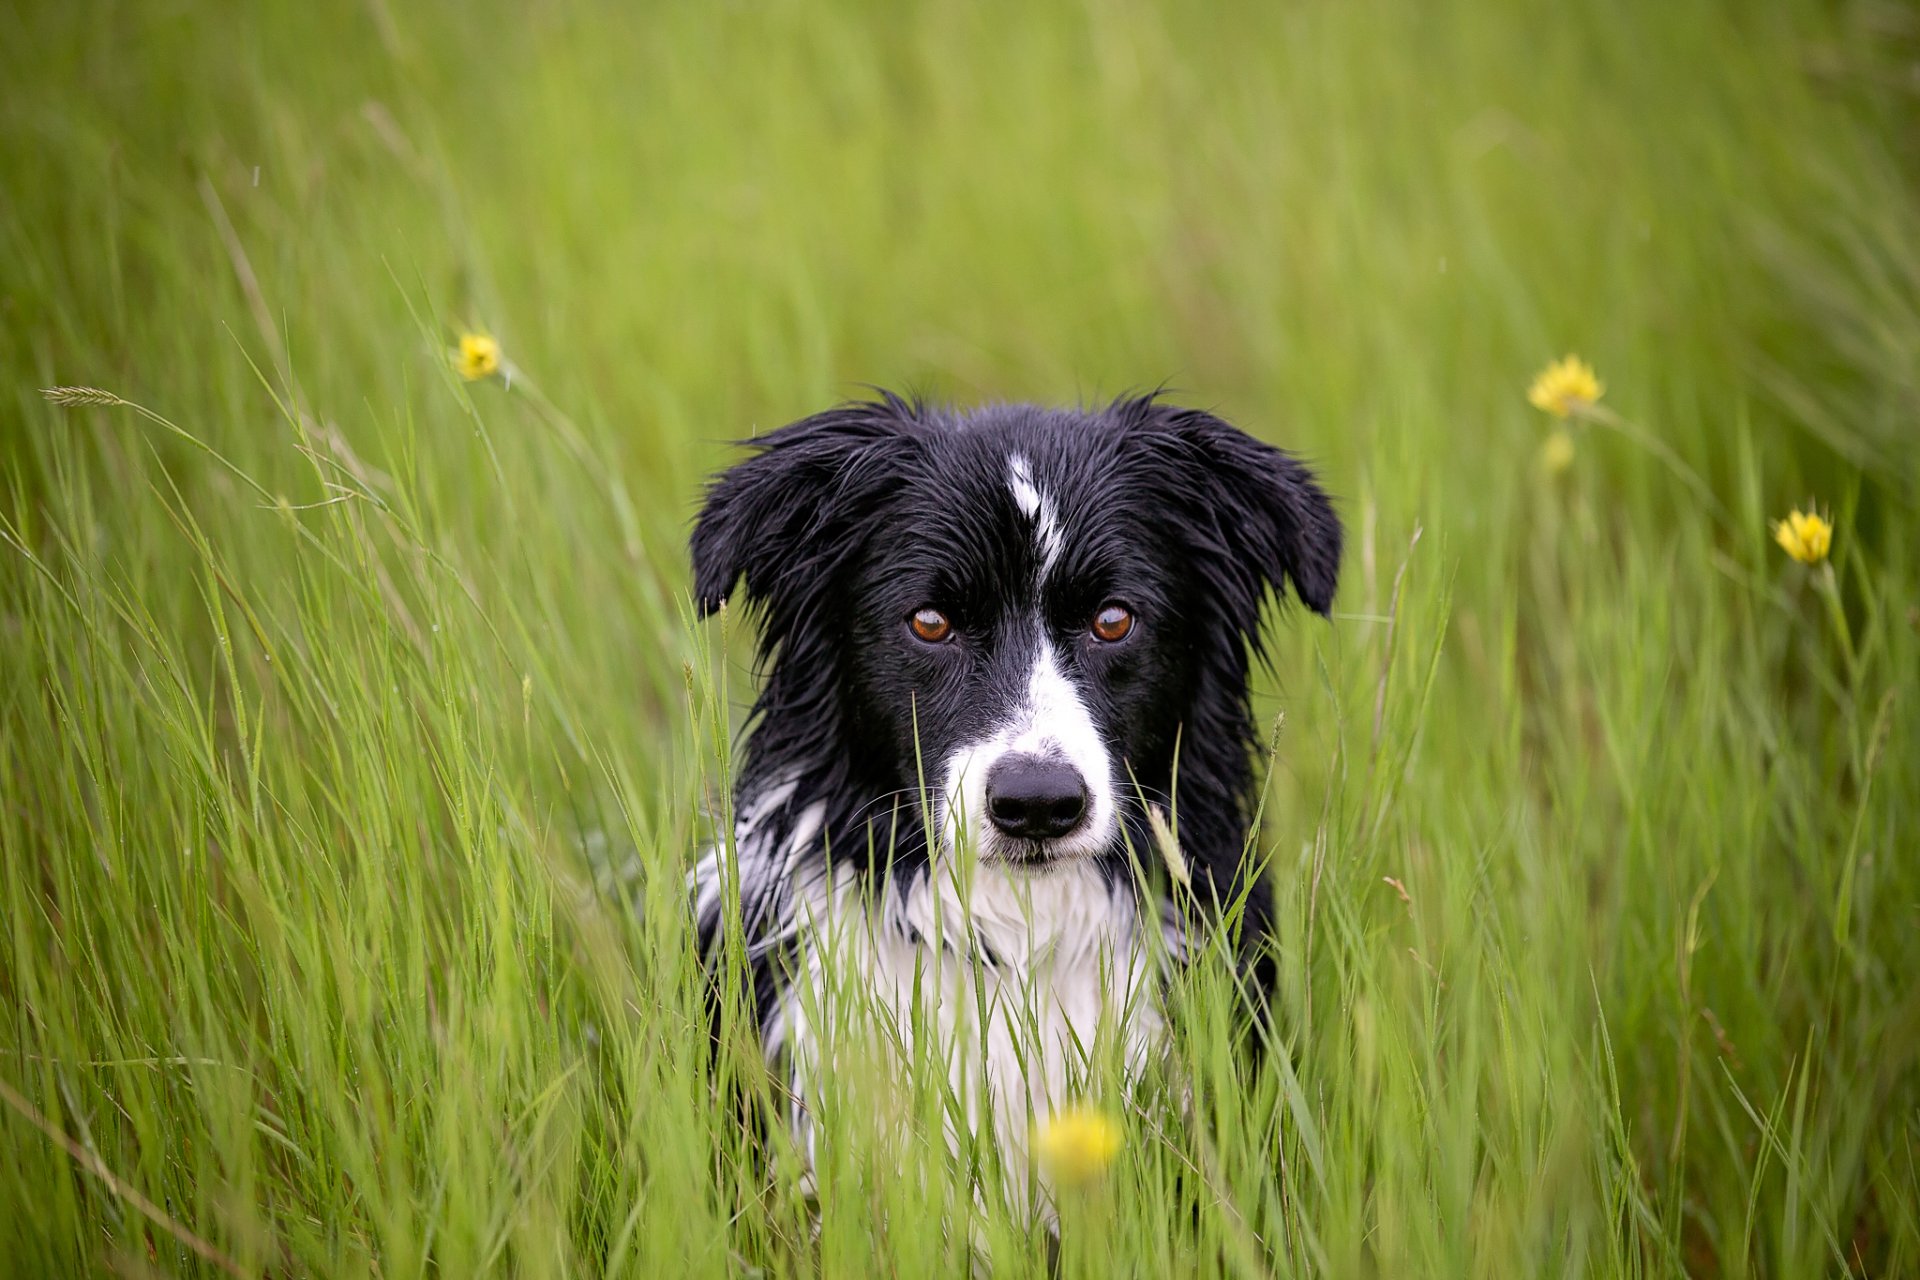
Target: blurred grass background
(356, 731)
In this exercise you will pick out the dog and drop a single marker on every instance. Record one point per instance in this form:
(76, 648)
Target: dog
(999, 648)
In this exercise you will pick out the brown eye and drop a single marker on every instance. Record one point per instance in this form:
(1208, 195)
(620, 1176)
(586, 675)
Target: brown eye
(930, 625)
(1112, 623)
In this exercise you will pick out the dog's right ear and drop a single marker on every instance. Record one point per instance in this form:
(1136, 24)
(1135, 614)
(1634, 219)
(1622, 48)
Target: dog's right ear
(786, 519)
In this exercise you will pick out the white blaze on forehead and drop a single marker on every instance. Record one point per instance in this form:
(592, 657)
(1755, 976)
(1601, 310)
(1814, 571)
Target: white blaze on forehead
(1037, 505)
(1049, 720)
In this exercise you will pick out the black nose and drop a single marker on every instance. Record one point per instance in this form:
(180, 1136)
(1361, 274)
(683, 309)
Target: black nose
(1035, 798)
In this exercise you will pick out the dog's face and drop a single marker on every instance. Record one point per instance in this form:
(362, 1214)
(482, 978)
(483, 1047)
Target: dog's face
(1020, 609)
(1021, 635)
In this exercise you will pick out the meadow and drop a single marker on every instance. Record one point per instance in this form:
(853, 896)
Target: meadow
(355, 730)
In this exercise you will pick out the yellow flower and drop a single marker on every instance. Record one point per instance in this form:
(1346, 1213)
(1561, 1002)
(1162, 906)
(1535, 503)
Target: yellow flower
(478, 356)
(1805, 536)
(1564, 386)
(1556, 455)
(1076, 1145)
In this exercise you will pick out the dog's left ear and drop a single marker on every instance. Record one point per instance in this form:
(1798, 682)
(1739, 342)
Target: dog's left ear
(1256, 513)
(785, 520)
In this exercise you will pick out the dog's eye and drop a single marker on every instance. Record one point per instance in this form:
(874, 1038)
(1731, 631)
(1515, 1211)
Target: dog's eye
(1112, 623)
(930, 625)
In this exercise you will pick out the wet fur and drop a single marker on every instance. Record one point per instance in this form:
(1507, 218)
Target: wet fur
(1018, 521)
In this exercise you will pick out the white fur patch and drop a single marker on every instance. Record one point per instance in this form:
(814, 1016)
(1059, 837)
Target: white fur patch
(761, 870)
(1019, 980)
(1050, 720)
(1037, 505)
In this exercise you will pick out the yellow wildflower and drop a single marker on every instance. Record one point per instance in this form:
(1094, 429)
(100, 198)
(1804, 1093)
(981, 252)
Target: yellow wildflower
(1805, 536)
(1556, 455)
(1564, 386)
(1076, 1145)
(478, 356)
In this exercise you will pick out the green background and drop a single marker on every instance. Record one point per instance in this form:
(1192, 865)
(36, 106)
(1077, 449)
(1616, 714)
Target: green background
(356, 730)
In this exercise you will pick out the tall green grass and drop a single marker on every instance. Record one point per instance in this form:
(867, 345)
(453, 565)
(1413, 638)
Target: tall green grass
(357, 733)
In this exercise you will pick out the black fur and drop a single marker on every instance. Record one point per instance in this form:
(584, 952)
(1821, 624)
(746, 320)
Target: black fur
(841, 525)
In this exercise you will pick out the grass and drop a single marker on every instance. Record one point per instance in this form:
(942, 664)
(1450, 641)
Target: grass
(356, 731)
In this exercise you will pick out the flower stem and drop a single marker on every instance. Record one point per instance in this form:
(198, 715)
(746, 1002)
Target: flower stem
(1828, 585)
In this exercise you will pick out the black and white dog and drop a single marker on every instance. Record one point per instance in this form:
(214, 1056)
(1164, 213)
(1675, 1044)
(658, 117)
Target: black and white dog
(991, 642)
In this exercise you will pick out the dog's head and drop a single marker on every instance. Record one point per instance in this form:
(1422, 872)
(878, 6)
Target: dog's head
(1025, 612)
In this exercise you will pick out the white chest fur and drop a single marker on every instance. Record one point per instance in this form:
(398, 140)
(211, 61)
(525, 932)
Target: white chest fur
(1015, 983)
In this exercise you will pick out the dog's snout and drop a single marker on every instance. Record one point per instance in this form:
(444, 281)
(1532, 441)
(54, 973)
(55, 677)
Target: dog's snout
(1035, 798)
